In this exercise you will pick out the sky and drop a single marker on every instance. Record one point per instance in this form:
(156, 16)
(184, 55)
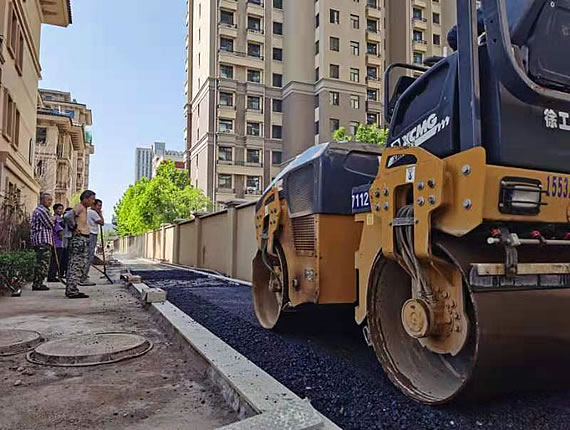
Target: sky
(124, 59)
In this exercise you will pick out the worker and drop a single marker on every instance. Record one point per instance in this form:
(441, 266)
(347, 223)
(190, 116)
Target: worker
(452, 34)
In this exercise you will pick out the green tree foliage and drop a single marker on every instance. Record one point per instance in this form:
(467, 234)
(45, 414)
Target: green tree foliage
(364, 134)
(161, 200)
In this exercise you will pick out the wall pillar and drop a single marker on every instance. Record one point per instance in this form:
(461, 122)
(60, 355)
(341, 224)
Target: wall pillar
(232, 241)
(176, 245)
(199, 259)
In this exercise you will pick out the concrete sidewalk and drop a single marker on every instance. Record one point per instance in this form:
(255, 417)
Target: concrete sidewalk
(164, 389)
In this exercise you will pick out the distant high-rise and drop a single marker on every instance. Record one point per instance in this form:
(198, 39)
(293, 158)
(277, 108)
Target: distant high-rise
(266, 79)
(148, 159)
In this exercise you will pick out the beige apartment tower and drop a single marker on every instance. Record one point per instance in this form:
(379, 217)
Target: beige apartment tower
(266, 79)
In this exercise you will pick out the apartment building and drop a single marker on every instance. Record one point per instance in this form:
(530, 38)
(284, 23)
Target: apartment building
(20, 71)
(63, 145)
(268, 79)
(147, 160)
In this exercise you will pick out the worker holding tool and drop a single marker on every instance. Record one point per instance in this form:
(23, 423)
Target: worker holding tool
(41, 232)
(95, 220)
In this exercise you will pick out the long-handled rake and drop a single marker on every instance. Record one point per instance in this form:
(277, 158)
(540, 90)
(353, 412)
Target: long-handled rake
(104, 271)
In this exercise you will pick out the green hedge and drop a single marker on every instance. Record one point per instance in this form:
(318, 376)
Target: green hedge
(16, 269)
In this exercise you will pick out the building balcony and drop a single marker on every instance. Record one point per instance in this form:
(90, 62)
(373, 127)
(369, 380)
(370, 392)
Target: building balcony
(250, 191)
(373, 35)
(229, 30)
(420, 23)
(239, 168)
(229, 4)
(374, 59)
(420, 45)
(254, 115)
(255, 35)
(241, 59)
(223, 190)
(227, 111)
(256, 141)
(255, 7)
(419, 3)
(374, 12)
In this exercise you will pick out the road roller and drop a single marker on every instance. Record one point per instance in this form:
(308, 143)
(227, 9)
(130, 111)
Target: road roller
(461, 276)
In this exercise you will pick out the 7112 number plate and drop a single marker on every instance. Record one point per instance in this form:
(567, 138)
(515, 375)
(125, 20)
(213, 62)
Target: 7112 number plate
(361, 199)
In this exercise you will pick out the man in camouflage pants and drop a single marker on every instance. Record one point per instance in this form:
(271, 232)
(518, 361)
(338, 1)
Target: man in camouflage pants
(41, 232)
(78, 244)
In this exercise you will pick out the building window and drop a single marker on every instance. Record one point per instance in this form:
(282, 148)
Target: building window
(335, 124)
(276, 158)
(277, 105)
(252, 156)
(334, 16)
(278, 54)
(417, 14)
(436, 18)
(372, 118)
(334, 98)
(354, 48)
(277, 132)
(418, 36)
(225, 153)
(41, 136)
(253, 129)
(355, 21)
(372, 25)
(227, 17)
(8, 119)
(254, 24)
(226, 126)
(436, 39)
(317, 74)
(225, 181)
(354, 75)
(226, 71)
(253, 185)
(418, 58)
(278, 4)
(317, 47)
(277, 27)
(226, 44)
(372, 73)
(335, 44)
(253, 76)
(354, 127)
(277, 80)
(226, 99)
(254, 49)
(372, 95)
(373, 3)
(254, 103)
(334, 71)
(15, 40)
(372, 48)
(354, 101)
(317, 127)
(317, 21)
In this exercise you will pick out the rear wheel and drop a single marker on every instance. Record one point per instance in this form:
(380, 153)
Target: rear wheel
(421, 374)
(270, 287)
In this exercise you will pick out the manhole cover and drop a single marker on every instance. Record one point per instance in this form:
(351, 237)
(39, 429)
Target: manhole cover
(17, 341)
(90, 350)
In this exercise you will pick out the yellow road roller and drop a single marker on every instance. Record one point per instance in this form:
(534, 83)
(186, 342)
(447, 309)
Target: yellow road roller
(461, 264)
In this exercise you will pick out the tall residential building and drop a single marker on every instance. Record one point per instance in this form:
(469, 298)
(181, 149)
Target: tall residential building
(148, 159)
(63, 145)
(267, 79)
(20, 29)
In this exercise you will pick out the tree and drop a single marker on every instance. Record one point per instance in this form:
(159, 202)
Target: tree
(364, 134)
(163, 199)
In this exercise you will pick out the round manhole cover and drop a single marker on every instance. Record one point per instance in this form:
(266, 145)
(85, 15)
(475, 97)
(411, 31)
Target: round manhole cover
(17, 341)
(90, 350)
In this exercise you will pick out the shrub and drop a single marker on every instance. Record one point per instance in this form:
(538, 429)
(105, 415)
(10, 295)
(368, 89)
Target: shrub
(16, 269)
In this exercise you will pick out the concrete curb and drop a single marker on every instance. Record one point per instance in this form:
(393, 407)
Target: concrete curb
(251, 391)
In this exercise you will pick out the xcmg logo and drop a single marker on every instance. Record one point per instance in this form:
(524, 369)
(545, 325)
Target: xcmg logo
(423, 132)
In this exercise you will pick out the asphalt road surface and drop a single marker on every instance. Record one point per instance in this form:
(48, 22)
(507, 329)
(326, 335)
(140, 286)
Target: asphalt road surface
(322, 356)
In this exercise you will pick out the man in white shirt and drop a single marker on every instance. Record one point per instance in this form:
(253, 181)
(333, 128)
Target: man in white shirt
(94, 219)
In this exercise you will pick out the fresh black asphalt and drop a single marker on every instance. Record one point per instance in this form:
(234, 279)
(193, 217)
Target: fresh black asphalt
(322, 356)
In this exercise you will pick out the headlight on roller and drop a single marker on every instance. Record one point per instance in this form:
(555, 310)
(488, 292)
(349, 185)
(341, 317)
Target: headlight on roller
(520, 196)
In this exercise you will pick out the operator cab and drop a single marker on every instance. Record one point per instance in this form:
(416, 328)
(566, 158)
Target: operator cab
(530, 80)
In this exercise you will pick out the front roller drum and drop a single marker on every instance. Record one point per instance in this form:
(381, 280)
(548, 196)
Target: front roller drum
(517, 340)
(270, 287)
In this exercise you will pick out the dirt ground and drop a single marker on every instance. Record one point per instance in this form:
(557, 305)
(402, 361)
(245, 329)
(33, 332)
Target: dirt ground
(164, 389)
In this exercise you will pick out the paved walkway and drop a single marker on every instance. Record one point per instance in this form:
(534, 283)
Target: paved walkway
(164, 389)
